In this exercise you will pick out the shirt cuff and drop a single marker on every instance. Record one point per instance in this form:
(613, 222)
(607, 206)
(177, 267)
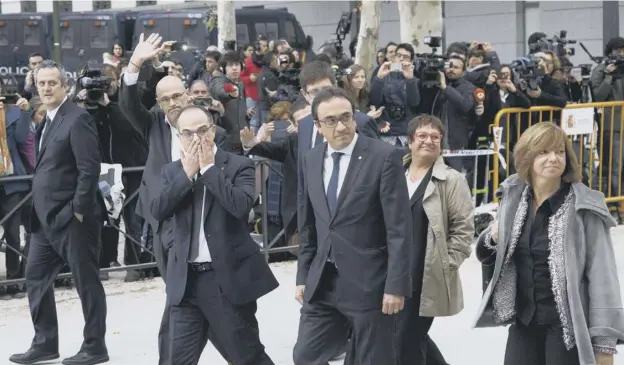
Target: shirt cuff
(203, 171)
(131, 78)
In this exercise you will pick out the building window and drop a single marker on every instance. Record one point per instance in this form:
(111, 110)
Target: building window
(28, 6)
(146, 3)
(65, 6)
(101, 5)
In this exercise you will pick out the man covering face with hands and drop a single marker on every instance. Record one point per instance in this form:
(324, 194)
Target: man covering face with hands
(209, 193)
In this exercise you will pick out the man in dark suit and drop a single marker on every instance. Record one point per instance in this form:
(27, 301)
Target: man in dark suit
(315, 77)
(67, 219)
(216, 271)
(354, 258)
(159, 128)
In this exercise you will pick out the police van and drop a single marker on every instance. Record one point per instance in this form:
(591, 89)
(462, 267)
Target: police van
(190, 27)
(85, 37)
(21, 35)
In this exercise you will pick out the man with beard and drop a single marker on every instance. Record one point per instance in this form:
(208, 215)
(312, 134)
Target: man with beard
(249, 76)
(160, 130)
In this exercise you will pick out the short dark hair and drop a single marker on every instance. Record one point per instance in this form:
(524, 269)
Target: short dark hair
(199, 107)
(328, 94)
(215, 55)
(229, 58)
(316, 71)
(458, 58)
(298, 105)
(35, 54)
(390, 44)
(198, 81)
(424, 120)
(408, 47)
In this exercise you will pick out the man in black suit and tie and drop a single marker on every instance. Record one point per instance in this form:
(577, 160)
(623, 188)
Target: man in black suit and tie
(315, 77)
(215, 271)
(354, 258)
(159, 128)
(66, 222)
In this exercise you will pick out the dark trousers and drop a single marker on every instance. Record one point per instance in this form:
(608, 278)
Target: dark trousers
(164, 333)
(205, 308)
(78, 246)
(325, 326)
(110, 242)
(11, 232)
(538, 345)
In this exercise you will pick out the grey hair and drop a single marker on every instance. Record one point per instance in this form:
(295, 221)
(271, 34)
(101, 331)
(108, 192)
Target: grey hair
(52, 64)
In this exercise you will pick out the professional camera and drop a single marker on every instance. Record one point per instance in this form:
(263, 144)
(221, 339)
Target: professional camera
(528, 70)
(95, 84)
(618, 62)
(427, 66)
(289, 86)
(559, 44)
(340, 73)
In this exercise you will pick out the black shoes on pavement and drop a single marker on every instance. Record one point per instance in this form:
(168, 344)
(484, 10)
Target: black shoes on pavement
(35, 356)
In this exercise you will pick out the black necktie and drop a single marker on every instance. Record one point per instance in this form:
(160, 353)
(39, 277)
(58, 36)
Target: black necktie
(332, 187)
(198, 202)
(318, 139)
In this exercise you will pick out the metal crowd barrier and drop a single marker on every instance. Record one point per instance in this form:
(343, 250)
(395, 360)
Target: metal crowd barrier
(266, 246)
(591, 149)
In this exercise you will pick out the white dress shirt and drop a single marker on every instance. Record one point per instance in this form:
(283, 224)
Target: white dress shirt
(412, 186)
(131, 78)
(50, 114)
(328, 164)
(204, 252)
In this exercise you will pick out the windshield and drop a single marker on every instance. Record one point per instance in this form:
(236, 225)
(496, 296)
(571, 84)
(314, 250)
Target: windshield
(32, 36)
(99, 37)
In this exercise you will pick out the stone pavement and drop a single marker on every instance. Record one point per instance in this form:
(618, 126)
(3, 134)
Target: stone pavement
(134, 312)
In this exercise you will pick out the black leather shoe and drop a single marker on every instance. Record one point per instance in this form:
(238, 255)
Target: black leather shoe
(33, 356)
(83, 358)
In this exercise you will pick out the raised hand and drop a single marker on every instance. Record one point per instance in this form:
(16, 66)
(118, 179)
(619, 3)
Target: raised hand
(190, 159)
(147, 49)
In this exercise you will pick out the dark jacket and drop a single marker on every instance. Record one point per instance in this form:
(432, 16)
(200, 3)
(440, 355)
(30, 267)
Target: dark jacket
(395, 91)
(266, 80)
(235, 117)
(240, 268)
(455, 107)
(17, 130)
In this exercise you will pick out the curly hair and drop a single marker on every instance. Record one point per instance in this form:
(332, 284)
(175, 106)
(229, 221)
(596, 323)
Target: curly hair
(278, 110)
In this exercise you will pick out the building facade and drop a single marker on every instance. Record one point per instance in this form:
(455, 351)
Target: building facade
(505, 24)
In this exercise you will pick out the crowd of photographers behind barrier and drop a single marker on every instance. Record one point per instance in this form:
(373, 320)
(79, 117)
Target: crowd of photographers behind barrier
(260, 92)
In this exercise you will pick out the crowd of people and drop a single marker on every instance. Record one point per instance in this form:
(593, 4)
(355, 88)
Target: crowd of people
(349, 166)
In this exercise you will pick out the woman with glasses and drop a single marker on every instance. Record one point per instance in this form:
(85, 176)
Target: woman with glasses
(443, 223)
(555, 278)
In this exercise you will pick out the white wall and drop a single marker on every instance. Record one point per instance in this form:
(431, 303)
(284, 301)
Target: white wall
(78, 6)
(11, 6)
(44, 6)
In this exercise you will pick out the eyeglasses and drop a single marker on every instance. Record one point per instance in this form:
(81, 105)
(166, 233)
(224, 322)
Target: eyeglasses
(422, 137)
(201, 132)
(315, 92)
(166, 100)
(332, 122)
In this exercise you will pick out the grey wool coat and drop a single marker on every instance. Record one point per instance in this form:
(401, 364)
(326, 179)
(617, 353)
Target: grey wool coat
(582, 267)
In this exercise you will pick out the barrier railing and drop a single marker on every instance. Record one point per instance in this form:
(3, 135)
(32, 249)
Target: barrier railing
(590, 144)
(266, 245)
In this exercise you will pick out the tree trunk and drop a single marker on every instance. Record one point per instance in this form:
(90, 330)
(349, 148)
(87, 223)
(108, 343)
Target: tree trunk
(418, 20)
(226, 19)
(368, 36)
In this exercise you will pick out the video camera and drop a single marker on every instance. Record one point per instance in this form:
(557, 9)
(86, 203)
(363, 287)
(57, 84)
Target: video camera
(559, 44)
(528, 70)
(427, 66)
(289, 86)
(618, 62)
(94, 83)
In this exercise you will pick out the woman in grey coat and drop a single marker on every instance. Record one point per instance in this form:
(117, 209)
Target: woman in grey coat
(555, 277)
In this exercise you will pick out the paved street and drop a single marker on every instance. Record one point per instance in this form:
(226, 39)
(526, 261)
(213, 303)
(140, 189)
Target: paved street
(134, 312)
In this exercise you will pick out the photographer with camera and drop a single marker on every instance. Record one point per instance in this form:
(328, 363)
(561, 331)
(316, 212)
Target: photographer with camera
(544, 90)
(229, 90)
(395, 89)
(608, 85)
(121, 144)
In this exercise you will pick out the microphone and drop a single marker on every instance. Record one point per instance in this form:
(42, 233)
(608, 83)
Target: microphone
(106, 193)
(479, 95)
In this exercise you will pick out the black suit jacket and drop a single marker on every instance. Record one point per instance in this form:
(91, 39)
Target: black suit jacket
(284, 151)
(371, 232)
(365, 126)
(152, 126)
(67, 170)
(240, 268)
